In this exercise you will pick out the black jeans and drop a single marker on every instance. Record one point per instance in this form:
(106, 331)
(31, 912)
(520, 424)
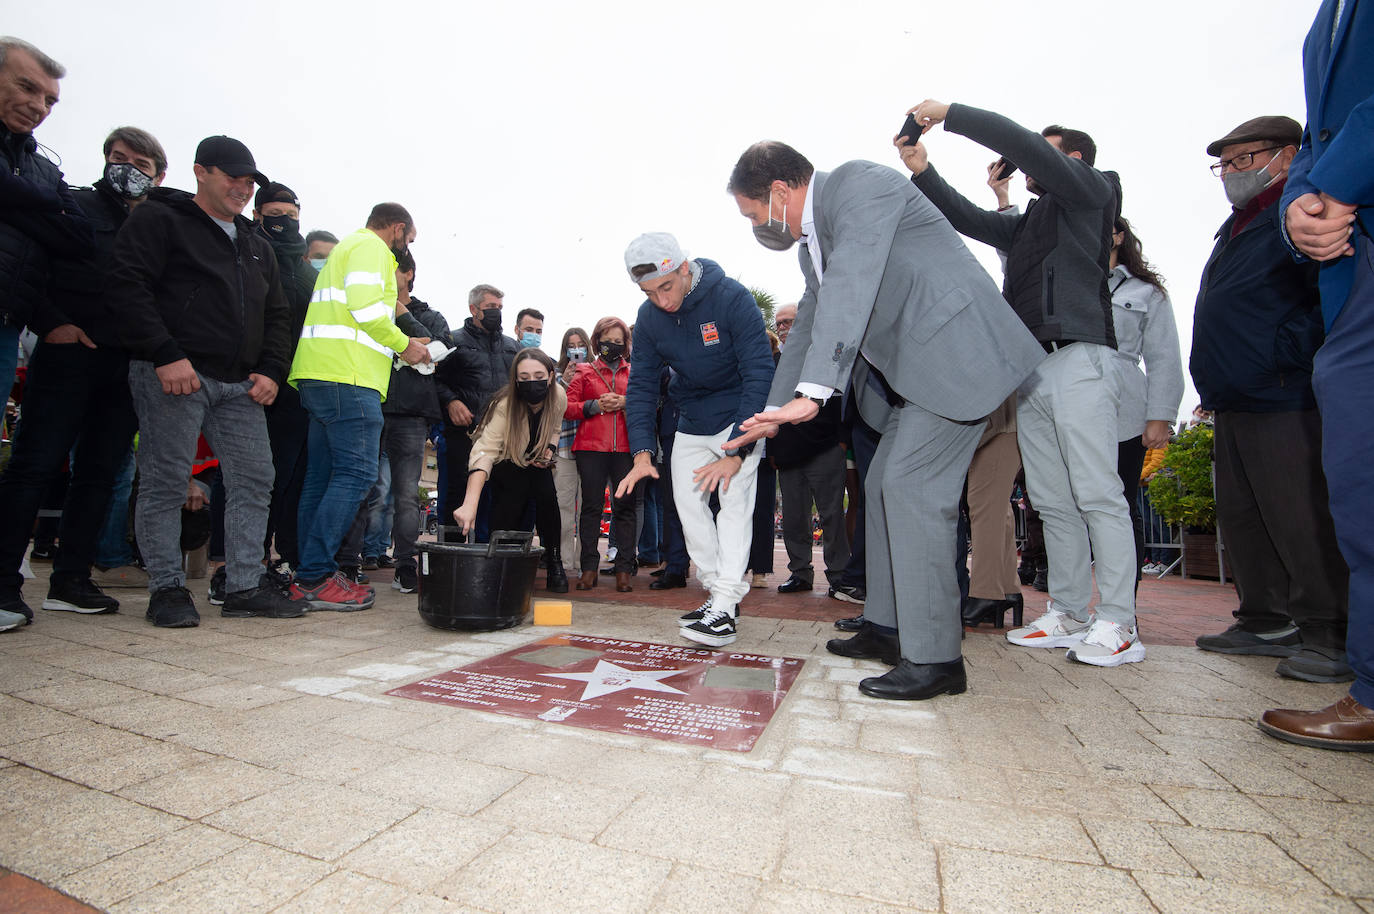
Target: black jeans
(595, 469)
(288, 427)
(1130, 460)
(765, 518)
(512, 488)
(74, 396)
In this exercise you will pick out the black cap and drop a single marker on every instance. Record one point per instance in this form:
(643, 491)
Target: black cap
(275, 192)
(1273, 128)
(229, 156)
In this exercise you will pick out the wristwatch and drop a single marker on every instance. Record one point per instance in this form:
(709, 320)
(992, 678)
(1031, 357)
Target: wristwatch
(816, 400)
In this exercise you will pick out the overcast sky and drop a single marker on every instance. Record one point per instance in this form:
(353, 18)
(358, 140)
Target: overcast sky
(532, 141)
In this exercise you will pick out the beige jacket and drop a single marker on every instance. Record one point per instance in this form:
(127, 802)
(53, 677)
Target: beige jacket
(489, 448)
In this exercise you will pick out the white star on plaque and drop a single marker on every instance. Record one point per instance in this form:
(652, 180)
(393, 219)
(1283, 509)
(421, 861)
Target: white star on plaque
(608, 678)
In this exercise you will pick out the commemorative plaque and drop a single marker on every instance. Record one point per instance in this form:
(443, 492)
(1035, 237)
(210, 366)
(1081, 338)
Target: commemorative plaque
(716, 699)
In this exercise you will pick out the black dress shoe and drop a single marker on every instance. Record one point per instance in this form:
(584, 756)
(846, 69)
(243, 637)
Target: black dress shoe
(660, 572)
(979, 609)
(794, 584)
(909, 681)
(669, 580)
(867, 644)
(852, 624)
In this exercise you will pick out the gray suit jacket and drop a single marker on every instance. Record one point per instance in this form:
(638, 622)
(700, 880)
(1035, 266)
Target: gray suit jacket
(902, 290)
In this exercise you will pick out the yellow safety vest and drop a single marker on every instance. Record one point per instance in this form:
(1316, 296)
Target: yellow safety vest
(350, 330)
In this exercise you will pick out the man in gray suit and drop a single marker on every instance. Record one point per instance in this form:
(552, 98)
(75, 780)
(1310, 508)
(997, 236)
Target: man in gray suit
(899, 315)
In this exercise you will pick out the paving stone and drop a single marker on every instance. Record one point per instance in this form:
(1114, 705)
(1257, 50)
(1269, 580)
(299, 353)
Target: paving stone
(1230, 856)
(199, 790)
(424, 849)
(319, 820)
(875, 860)
(523, 871)
(420, 779)
(139, 869)
(980, 881)
(344, 893)
(251, 879)
(1004, 828)
(783, 899)
(1338, 865)
(1134, 845)
(855, 766)
(568, 808)
(1182, 895)
(694, 889)
(1221, 809)
(749, 837)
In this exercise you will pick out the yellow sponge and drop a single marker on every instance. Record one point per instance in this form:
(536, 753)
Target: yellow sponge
(553, 612)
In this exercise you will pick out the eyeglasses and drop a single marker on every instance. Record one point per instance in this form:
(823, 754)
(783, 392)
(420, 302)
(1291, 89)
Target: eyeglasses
(1240, 162)
(784, 322)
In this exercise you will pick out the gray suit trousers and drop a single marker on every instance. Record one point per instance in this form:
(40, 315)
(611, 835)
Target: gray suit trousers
(821, 478)
(911, 512)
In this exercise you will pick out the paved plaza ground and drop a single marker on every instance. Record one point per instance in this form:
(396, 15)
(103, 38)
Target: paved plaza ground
(258, 765)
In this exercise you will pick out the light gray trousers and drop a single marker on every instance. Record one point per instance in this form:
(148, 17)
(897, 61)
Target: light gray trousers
(1066, 428)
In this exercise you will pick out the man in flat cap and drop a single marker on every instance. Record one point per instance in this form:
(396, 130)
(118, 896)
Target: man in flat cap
(1256, 326)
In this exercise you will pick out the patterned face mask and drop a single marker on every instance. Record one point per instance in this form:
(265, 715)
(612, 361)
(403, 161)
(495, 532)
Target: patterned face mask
(127, 180)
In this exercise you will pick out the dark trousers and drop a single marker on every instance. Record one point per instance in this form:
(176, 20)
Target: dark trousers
(403, 442)
(1343, 378)
(765, 512)
(1130, 460)
(865, 442)
(596, 469)
(458, 448)
(1033, 552)
(288, 428)
(76, 396)
(674, 541)
(651, 525)
(1273, 516)
(819, 480)
(512, 489)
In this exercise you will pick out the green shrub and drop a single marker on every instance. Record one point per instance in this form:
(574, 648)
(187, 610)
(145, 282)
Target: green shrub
(1181, 492)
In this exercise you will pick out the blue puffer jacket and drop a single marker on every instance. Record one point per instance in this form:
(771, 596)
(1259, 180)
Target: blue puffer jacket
(718, 349)
(39, 219)
(1257, 322)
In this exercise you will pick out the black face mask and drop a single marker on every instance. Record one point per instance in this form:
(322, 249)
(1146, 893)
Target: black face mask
(612, 352)
(532, 392)
(491, 320)
(282, 228)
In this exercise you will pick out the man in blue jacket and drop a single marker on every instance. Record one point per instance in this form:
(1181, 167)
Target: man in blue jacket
(1256, 325)
(709, 330)
(1327, 209)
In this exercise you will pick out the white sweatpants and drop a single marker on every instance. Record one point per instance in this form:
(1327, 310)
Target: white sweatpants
(719, 547)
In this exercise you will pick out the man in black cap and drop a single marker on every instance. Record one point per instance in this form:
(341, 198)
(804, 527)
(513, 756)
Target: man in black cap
(208, 331)
(1256, 326)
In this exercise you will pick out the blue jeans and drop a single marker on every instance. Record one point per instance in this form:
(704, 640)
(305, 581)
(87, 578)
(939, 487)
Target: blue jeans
(112, 550)
(381, 512)
(1343, 380)
(651, 533)
(341, 467)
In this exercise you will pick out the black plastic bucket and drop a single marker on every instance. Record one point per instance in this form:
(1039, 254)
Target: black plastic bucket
(478, 587)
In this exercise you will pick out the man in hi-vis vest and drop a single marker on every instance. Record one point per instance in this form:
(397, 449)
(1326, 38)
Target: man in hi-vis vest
(341, 369)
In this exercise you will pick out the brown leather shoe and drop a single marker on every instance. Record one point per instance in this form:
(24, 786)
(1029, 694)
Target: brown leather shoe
(587, 581)
(1346, 725)
(622, 582)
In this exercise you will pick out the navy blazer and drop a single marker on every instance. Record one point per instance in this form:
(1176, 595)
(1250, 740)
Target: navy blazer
(1335, 153)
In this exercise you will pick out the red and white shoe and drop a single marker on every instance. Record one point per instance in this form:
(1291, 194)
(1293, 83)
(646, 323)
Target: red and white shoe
(330, 595)
(1108, 644)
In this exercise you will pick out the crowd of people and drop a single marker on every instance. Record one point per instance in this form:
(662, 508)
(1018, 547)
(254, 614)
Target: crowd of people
(287, 385)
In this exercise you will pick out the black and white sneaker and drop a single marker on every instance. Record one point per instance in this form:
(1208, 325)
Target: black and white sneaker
(66, 595)
(406, 580)
(848, 593)
(218, 586)
(695, 615)
(715, 629)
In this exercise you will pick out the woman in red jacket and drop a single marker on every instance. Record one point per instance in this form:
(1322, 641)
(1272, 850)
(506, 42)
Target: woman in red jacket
(596, 396)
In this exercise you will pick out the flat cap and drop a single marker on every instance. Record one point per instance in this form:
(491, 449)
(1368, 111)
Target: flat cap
(1273, 127)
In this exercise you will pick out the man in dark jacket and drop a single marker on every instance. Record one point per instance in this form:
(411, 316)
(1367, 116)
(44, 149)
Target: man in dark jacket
(412, 404)
(1256, 326)
(77, 392)
(277, 212)
(38, 217)
(208, 333)
(708, 329)
(478, 367)
(1056, 281)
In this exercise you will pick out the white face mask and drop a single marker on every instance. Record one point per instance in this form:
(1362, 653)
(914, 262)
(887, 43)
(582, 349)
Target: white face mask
(1243, 186)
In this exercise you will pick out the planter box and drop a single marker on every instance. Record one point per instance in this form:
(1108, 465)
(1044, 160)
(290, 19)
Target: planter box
(1200, 556)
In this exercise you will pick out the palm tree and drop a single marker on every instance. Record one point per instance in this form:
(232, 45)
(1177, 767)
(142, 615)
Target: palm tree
(766, 303)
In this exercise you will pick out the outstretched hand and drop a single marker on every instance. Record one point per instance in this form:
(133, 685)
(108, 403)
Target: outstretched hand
(641, 470)
(765, 424)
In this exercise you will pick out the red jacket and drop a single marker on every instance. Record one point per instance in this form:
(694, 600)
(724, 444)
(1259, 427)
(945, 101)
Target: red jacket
(598, 431)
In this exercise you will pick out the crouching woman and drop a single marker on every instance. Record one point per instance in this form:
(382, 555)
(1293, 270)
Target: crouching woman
(516, 444)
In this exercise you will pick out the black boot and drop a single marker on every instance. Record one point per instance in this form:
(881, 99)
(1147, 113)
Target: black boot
(979, 609)
(556, 580)
(1018, 609)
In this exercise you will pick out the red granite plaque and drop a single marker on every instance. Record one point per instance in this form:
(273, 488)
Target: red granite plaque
(717, 699)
